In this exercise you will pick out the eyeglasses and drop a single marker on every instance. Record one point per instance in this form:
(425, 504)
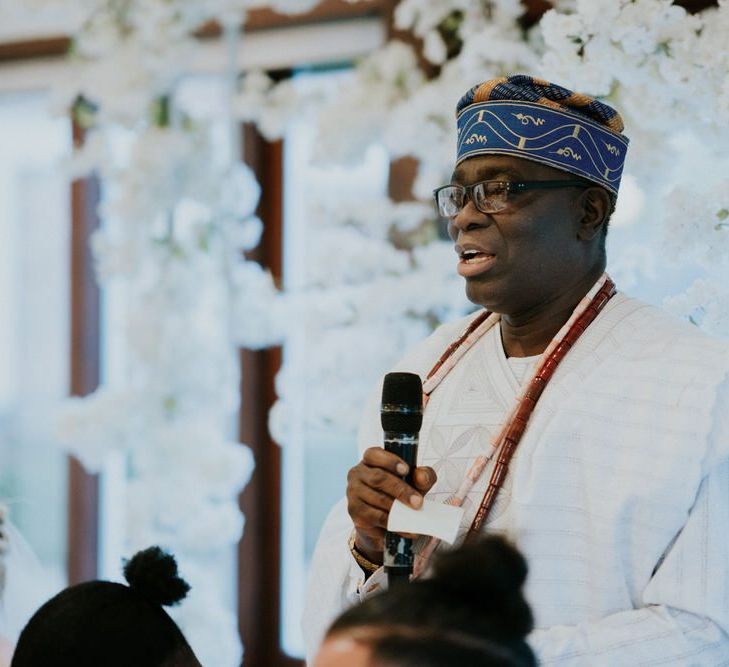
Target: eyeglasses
(490, 196)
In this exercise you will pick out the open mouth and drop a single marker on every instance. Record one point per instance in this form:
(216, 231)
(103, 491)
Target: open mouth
(475, 256)
(474, 262)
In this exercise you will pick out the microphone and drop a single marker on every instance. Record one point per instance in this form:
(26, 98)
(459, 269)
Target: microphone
(401, 415)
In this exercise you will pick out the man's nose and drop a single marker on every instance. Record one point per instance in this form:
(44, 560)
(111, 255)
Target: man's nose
(468, 218)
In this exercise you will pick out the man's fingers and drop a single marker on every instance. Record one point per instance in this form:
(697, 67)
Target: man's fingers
(377, 457)
(372, 496)
(424, 477)
(368, 519)
(387, 483)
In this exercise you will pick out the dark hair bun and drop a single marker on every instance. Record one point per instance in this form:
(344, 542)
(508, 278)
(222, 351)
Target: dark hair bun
(152, 573)
(490, 566)
(487, 575)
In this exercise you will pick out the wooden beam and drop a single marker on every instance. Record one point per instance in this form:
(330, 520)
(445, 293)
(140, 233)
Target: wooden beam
(327, 10)
(256, 20)
(83, 499)
(259, 552)
(34, 48)
(266, 19)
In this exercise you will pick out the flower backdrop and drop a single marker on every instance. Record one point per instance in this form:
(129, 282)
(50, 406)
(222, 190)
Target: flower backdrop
(666, 70)
(177, 215)
(177, 218)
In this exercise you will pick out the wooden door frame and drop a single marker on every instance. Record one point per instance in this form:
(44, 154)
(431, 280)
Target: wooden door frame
(83, 488)
(259, 551)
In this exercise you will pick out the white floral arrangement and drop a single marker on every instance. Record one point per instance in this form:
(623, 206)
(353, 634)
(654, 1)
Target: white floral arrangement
(177, 219)
(176, 223)
(627, 52)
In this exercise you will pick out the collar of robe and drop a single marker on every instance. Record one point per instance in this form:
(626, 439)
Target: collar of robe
(514, 427)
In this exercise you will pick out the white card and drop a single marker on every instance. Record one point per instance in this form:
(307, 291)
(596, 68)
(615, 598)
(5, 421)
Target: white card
(436, 519)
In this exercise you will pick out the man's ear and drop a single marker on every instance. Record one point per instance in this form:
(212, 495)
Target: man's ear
(596, 208)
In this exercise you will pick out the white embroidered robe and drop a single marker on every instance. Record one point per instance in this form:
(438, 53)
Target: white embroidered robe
(618, 494)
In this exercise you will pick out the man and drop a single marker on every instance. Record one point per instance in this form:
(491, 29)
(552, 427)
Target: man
(617, 415)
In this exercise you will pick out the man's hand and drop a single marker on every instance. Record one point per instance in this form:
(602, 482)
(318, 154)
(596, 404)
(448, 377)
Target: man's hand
(372, 486)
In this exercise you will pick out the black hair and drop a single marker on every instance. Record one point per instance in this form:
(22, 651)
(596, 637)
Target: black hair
(472, 604)
(443, 651)
(104, 623)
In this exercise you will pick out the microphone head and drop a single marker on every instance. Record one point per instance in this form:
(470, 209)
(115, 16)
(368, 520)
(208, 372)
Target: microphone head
(402, 403)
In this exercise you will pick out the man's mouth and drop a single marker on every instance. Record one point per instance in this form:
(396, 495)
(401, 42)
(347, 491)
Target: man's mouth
(475, 256)
(473, 260)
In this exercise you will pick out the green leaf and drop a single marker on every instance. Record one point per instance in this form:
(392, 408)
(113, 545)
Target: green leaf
(161, 111)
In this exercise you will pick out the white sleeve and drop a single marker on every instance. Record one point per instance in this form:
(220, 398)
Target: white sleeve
(685, 617)
(334, 578)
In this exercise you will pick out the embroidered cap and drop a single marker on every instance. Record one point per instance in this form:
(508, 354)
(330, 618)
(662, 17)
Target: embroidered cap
(537, 120)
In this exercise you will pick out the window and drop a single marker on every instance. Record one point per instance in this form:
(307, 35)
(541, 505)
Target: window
(316, 459)
(34, 323)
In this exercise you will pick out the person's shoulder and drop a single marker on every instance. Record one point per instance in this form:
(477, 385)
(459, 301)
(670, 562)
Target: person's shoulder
(648, 341)
(665, 327)
(447, 332)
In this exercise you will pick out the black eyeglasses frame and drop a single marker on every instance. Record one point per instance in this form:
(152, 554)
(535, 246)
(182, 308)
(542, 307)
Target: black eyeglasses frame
(509, 187)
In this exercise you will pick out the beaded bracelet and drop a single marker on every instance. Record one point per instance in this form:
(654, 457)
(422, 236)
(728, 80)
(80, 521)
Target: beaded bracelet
(367, 565)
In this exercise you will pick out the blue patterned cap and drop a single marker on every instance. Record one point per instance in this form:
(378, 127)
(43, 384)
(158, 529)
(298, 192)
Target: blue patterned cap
(537, 120)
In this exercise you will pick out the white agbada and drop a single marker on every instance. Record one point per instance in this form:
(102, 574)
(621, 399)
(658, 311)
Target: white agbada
(618, 494)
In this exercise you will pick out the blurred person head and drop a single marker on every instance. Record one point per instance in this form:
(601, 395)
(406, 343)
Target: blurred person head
(104, 623)
(471, 611)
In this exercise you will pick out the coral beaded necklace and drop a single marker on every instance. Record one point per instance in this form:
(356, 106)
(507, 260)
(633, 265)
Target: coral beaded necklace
(508, 439)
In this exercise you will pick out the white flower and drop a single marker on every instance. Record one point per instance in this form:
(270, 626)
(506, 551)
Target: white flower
(632, 266)
(422, 16)
(434, 48)
(96, 425)
(696, 225)
(630, 204)
(272, 106)
(722, 102)
(293, 6)
(115, 256)
(208, 625)
(382, 80)
(424, 125)
(349, 256)
(199, 451)
(259, 313)
(705, 303)
(239, 192)
(91, 155)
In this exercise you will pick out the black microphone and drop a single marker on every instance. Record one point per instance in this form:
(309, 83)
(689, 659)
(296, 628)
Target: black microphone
(401, 414)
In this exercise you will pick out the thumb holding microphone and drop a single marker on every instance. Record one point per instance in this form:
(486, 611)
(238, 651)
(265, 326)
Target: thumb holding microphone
(386, 474)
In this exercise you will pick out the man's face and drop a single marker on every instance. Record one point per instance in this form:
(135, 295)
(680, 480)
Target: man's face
(528, 253)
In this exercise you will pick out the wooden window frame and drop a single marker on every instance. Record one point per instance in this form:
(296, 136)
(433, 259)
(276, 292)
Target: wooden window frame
(85, 355)
(259, 551)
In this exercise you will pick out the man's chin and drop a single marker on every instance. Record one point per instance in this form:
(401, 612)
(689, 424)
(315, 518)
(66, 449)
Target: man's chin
(481, 295)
